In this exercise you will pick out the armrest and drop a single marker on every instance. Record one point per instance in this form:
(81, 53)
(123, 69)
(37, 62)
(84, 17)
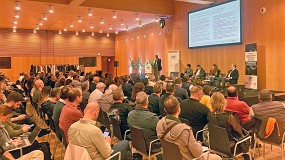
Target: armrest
(125, 135)
(149, 151)
(204, 154)
(239, 142)
(114, 155)
(202, 130)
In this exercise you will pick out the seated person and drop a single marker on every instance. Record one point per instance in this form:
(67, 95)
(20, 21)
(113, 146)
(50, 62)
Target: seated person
(199, 73)
(48, 106)
(225, 120)
(154, 98)
(5, 114)
(181, 134)
(86, 134)
(120, 110)
(206, 97)
(179, 91)
(232, 76)
(188, 71)
(195, 112)
(214, 74)
(142, 118)
(148, 89)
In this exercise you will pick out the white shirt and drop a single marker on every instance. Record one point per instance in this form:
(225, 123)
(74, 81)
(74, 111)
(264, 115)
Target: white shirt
(95, 95)
(229, 76)
(198, 72)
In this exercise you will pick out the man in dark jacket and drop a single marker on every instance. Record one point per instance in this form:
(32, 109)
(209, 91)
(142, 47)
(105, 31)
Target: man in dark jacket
(179, 91)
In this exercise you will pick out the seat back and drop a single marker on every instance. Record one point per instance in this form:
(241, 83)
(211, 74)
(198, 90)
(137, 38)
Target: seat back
(51, 123)
(74, 152)
(219, 141)
(183, 120)
(138, 140)
(57, 131)
(170, 150)
(116, 128)
(274, 138)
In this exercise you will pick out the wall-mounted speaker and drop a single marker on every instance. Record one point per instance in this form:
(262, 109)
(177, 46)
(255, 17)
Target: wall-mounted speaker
(116, 63)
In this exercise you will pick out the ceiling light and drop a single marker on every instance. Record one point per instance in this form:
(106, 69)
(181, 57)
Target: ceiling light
(45, 16)
(98, 54)
(40, 22)
(92, 34)
(76, 33)
(50, 8)
(15, 21)
(127, 28)
(34, 30)
(59, 32)
(102, 21)
(114, 14)
(91, 26)
(122, 22)
(79, 19)
(14, 26)
(83, 29)
(140, 23)
(37, 27)
(65, 29)
(108, 35)
(90, 12)
(17, 14)
(100, 31)
(71, 24)
(137, 18)
(116, 32)
(14, 30)
(17, 7)
(110, 26)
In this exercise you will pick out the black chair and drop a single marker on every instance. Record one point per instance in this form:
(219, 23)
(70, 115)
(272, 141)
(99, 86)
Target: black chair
(139, 144)
(117, 129)
(275, 139)
(220, 144)
(63, 141)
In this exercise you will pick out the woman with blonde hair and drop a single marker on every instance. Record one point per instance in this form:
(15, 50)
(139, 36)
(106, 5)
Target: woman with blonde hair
(225, 120)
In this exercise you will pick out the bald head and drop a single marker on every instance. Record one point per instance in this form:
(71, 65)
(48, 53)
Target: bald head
(91, 111)
(39, 84)
(232, 91)
(196, 92)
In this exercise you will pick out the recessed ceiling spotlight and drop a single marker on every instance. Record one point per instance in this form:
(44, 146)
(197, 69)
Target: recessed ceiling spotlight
(140, 23)
(17, 14)
(79, 19)
(65, 29)
(102, 21)
(127, 28)
(76, 33)
(50, 8)
(14, 26)
(14, 30)
(116, 32)
(100, 31)
(90, 12)
(122, 22)
(15, 21)
(92, 34)
(108, 35)
(156, 18)
(34, 30)
(110, 27)
(71, 24)
(40, 22)
(83, 29)
(137, 17)
(45, 16)
(37, 27)
(114, 14)
(59, 32)
(91, 26)
(17, 5)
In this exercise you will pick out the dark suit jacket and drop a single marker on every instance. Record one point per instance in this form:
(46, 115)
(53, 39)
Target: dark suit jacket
(196, 113)
(92, 86)
(148, 90)
(127, 89)
(202, 74)
(186, 86)
(159, 67)
(181, 93)
(154, 103)
(234, 75)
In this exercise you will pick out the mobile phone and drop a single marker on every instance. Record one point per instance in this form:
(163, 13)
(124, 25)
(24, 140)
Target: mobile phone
(106, 134)
(32, 125)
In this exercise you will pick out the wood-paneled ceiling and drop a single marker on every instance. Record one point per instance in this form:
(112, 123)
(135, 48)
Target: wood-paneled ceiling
(66, 12)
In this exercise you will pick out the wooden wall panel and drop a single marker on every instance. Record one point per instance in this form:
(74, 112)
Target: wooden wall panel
(267, 30)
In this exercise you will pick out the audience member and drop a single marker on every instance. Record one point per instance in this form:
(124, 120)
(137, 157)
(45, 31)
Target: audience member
(85, 95)
(127, 87)
(97, 93)
(179, 91)
(143, 119)
(59, 104)
(154, 98)
(106, 99)
(138, 87)
(195, 112)
(70, 112)
(235, 105)
(186, 83)
(206, 97)
(39, 85)
(151, 81)
(148, 89)
(86, 134)
(48, 106)
(180, 134)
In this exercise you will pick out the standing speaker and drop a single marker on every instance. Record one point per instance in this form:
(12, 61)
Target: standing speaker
(116, 63)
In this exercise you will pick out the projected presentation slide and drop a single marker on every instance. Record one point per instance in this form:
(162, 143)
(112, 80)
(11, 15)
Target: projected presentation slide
(217, 25)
